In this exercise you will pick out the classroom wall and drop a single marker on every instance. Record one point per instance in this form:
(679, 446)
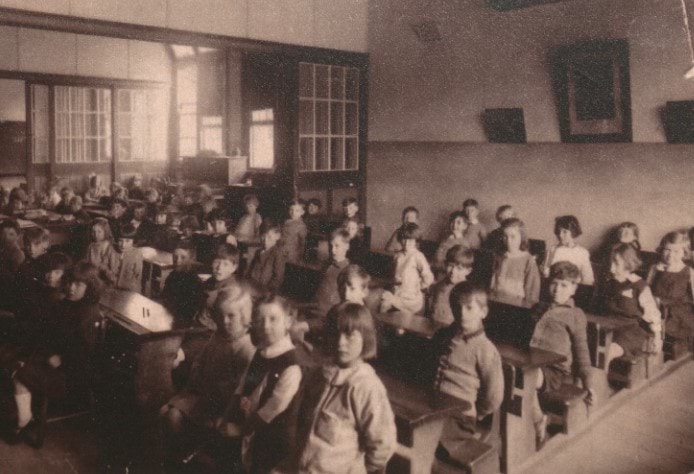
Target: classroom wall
(427, 144)
(327, 24)
(603, 185)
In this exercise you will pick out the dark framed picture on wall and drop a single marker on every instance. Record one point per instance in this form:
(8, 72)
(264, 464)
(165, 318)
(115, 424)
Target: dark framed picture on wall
(593, 92)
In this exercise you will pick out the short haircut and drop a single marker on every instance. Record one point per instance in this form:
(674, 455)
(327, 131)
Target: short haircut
(501, 209)
(349, 200)
(410, 231)
(629, 255)
(53, 261)
(10, 224)
(350, 317)
(453, 216)
(89, 274)
(341, 233)
(189, 222)
(463, 292)
(128, 231)
(267, 299)
(470, 202)
(567, 222)
(188, 246)
(251, 199)
(459, 255)
(103, 223)
(565, 271)
(316, 202)
(350, 273)
(240, 297)
(227, 252)
(268, 225)
(628, 225)
(35, 235)
(348, 220)
(520, 225)
(676, 237)
(409, 209)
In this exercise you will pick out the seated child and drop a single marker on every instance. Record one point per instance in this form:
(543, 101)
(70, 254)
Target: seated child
(567, 229)
(117, 215)
(412, 275)
(215, 374)
(561, 328)
(66, 194)
(475, 233)
(52, 198)
(248, 229)
(152, 203)
(136, 191)
(96, 191)
(515, 270)
(224, 265)
(459, 261)
(218, 226)
(410, 215)
(265, 413)
(189, 226)
(183, 293)
(495, 240)
(101, 253)
(350, 208)
(164, 237)
(345, 418)
(358, 249)
(457, 226)
(327, 294)
(267, 267)
(130, 272)
(628, 233)
(144, 228)
(313, 216)
(294, 233)
(672, 283)
(36, 243)
(11, 255)
(15, 207)
(627, 295)
(78, 214)
(469, 366)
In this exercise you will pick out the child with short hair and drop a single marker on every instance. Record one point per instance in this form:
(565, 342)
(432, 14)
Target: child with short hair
(567, 229)
(189, 226)
(412, 275)
(561, 327)
(358, 250)
(216, 372)
(224, 266)
(313, 217)
(457, 226)
(96, 191)
(495, 240)
(267, 267)
(410, 215)
(350, 208)
(515, 270)
(628, 296)
(218, 225)
(672, 283)
(294, 232)
(628, 233)
(345, 418)
(152, 202)
(101, 252)
(475, 233)
(327, 294)
(459, 261)
(468, 366)
(11, 255)
(183, 293)
(117, 215)
(248, 229)
(136, 191)
(77, 212)
(36, 243)
(265, 414)
(144, 228)
(66, 194)
(130, 271)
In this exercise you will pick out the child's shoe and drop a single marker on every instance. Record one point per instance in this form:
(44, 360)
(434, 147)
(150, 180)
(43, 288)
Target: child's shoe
(541, 431)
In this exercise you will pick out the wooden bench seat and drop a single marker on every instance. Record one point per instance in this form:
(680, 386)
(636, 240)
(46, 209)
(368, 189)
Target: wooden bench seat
(566, 407)
(471, 456)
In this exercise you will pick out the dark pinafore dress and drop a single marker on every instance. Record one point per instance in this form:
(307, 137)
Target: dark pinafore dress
(623, 302)
(674, 288)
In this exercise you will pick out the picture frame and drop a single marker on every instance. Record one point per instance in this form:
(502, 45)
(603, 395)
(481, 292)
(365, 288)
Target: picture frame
(593, 92)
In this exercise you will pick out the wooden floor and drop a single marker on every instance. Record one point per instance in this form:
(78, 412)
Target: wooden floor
(651, 433)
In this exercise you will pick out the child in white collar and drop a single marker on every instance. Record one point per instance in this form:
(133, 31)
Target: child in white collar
(567, 229)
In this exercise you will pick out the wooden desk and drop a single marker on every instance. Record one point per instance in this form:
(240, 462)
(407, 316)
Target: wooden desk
(159, 263)
(135, 312)
(410, 323)
(419, 416)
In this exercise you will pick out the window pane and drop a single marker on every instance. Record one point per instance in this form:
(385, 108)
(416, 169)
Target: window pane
(124, 152)
(262, 153)
(105, 149)
(188, 125)
(39, 123)
(337, 161)
(351, 154)
(352, 84)
(322, 118)
(188, 147)
(322, 154)
(337, 86)
(322, 81)
(336, 118)
(351, 119)
(91, 101)
(92, 125)
(306, 117)
(305, 80)
(124, 100)
(306, 154)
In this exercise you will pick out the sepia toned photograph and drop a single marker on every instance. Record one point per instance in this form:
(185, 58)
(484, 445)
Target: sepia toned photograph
(346, 236)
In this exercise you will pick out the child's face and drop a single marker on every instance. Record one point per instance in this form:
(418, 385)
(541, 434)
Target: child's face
(54, 277)
(36, 249)
(75, 206)
(565, 237)
(313, 209)
(160, 218)
(512, 237)
(187, 232)
(117, 210)
(232, 320)
(76, 290)
(562, 290)
(410, 217)
(458, 225)
(349, 349)
(270, 239)
(409, 245)
(619, 269)
(9, 235)
(338, 249)
(352, 228)
(98, 233)
(272, 323)
(181, 257)
(296, 212)
(223, 268)
(251, 207)
(152, 197)
(125, 243)
(356, 291)
(472, 212)
(219, 226)
(673, 254)
(139, 213)
(626, 235)
(457, 273)
(351, 209)
(473, 313)
(137, 182)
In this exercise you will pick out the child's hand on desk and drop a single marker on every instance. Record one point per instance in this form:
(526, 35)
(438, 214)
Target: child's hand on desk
(590, 398)
(55, 361)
